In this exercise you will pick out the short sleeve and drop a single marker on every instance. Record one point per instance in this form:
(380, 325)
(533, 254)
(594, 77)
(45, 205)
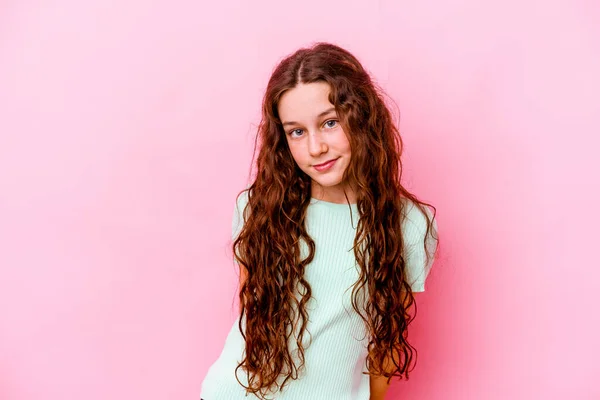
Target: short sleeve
(414, 228)
(238, 212)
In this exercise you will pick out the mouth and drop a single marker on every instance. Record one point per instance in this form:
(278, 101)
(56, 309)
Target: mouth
(326, 166)
(325, 163)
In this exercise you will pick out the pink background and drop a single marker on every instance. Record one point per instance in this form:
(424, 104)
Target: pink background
(126, 130)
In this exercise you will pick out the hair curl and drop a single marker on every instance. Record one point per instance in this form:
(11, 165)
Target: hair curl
(277, 202)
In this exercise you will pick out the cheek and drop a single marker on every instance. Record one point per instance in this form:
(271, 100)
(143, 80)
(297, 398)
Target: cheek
(343, 141)
(296, 155)
(346, 147)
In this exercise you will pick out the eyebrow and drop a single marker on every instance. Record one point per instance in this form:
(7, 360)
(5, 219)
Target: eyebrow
(318, 116)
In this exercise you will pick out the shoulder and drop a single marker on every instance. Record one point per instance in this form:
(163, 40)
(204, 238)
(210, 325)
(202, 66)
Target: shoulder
(239, 215)
(420, 244)
(415, 222)
(241, 200)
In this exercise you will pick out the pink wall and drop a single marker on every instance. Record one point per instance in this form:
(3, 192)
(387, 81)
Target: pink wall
(126, 131)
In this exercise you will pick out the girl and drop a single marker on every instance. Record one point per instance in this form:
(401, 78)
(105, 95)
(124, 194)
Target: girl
(330, 245)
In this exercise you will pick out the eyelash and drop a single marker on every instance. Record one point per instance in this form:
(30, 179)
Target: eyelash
(329, 120)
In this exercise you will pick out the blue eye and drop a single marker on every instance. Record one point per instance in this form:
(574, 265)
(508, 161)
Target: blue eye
(329, 123)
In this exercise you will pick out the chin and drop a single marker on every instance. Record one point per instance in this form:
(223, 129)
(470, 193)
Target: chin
(329, 182)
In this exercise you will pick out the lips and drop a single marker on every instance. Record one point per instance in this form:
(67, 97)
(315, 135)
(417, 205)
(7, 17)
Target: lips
(326, 166)
(326, 162)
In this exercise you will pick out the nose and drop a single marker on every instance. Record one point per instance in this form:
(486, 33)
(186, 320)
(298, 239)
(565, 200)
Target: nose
(316, 144)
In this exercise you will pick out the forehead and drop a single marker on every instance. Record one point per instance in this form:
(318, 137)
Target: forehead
(304, 102)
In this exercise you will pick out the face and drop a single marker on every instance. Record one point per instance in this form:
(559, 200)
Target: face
(315, 136)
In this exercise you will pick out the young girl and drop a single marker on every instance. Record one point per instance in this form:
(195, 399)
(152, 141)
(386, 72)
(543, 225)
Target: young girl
(330, 245)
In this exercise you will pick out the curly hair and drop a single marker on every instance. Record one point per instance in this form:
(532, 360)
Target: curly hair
(268, 244)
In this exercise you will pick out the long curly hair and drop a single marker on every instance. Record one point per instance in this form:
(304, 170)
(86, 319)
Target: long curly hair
(268, 244)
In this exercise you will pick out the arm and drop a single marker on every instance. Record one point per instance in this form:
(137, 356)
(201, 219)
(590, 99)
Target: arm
(237, 223)
(379, 387)
(414, 227)
(378, 384)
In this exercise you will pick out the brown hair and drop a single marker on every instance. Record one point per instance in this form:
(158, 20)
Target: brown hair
(268, 243)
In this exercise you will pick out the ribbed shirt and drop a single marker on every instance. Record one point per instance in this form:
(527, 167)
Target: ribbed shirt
(336, 345)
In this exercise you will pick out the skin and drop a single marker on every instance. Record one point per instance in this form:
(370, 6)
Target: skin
(315, 135)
